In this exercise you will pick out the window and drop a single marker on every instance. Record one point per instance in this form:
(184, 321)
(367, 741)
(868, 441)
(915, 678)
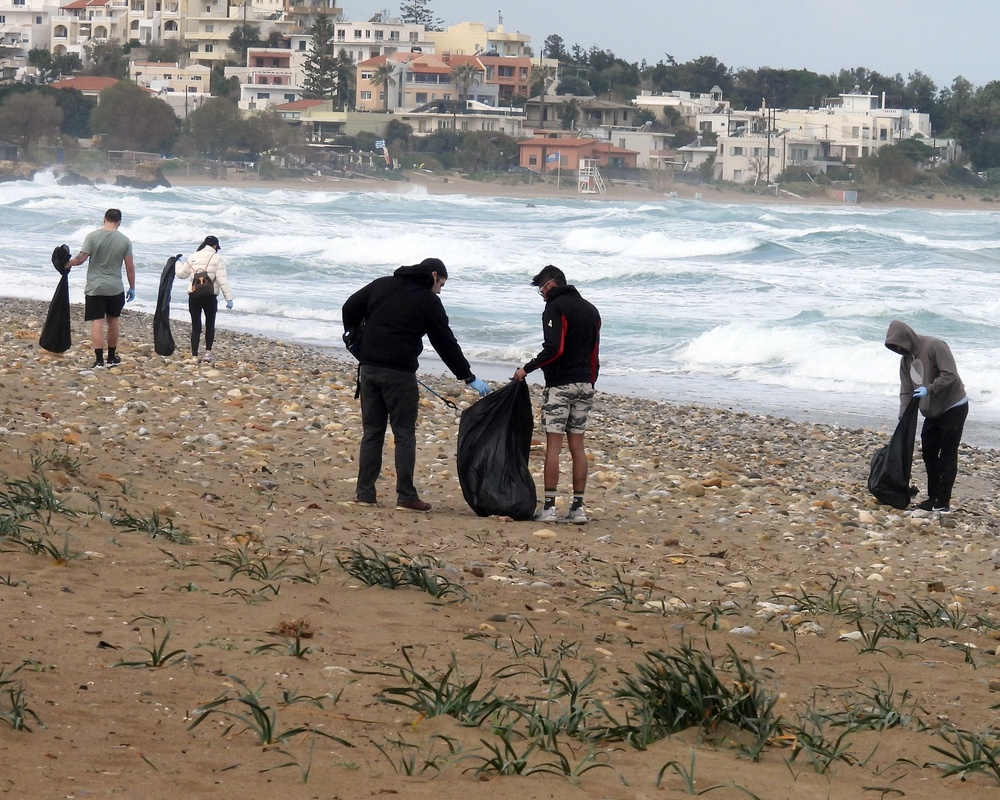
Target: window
(421, 97)
(302, 45)
(195, 77)
(341, 36)
(209, 28)
(38, 20)
(21, 3)
(393, 36)
(772, 151)
(289, 98)
(736, 151)
(366, 75)
(263, 95)
(532, 161)
(414, 37)
(3, 19)
(756, 151)
(209, 48)
(737, 175)
(366, 95)
(357, 33)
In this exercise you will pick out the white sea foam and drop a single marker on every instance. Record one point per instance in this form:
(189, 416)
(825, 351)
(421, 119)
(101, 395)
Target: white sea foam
(762, 306)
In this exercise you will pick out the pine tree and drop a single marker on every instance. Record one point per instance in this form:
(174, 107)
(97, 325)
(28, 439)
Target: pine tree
(321, 66)
(417, 11)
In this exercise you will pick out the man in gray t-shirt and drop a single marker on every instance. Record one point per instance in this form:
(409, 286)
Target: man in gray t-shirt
(104, 294)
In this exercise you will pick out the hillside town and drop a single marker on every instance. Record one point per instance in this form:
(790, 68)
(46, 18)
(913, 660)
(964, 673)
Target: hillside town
(330, 78)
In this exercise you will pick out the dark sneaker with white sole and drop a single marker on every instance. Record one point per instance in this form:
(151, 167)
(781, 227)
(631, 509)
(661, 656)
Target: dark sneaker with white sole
(413, 505)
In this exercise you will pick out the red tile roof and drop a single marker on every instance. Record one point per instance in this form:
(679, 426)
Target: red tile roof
(86, 83)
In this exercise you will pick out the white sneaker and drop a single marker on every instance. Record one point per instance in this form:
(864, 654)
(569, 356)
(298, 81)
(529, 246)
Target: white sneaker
(575, 515)
(207, 356)
(546, 515)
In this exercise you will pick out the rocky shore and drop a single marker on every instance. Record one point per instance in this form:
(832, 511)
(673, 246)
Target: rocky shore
(708, 527)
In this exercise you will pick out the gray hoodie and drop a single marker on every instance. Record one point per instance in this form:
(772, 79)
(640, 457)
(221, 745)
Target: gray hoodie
(925, 361)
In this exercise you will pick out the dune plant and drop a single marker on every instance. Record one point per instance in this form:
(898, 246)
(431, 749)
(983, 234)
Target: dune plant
(968, 752)
(443, 694)
(685, 688)
(395, 571)
(159, 655)
(253, 715)
(153, 526)
(14, 708)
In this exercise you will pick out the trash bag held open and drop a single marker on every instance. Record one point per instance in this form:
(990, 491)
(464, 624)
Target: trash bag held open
(889, 478)
(494, 439)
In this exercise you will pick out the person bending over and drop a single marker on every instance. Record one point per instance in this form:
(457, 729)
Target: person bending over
(397, 312)
(927, 370)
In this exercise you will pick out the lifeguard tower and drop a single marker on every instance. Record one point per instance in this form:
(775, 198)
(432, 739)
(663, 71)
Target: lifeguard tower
(590, 180)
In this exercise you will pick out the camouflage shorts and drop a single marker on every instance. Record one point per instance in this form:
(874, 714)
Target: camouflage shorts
(565, 408)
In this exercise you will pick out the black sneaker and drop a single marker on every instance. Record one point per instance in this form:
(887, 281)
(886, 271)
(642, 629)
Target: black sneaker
(114, 360)
(927, 505)
(940, 509)
(97, 365)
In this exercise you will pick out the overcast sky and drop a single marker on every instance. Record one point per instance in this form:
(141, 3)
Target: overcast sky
(942, 39)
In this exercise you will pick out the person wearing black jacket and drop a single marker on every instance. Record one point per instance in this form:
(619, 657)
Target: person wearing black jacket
(569, 361)
(397, 311)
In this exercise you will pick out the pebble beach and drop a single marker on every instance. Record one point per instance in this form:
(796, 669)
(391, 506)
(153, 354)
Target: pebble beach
(708, 526)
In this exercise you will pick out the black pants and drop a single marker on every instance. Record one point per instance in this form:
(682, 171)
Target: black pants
(210, 307)
(939, 440)
(387, 396)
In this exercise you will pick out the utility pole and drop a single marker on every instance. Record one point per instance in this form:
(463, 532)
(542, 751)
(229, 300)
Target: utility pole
(769, 127)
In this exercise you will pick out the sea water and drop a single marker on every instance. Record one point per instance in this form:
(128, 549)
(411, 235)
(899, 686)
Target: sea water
(768, 308)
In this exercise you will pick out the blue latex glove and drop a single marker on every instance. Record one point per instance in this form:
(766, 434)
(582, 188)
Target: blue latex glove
(229, 304)
(920, 391)
(480, 386)
(130, 295)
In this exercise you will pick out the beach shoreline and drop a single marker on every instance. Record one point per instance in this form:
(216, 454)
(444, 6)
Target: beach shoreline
(443, 183)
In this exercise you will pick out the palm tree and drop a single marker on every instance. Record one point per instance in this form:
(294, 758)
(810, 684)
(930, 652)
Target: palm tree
(542, 77)
(383, 76)
(463, 76)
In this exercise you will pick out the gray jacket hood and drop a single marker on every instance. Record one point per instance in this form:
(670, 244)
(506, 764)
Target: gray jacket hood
(925, 361)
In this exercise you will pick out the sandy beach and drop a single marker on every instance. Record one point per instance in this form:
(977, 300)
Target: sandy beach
(181, 583)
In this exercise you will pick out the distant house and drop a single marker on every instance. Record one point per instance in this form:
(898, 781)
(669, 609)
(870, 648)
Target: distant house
(88, 85)
(548, 154)
(292, 112)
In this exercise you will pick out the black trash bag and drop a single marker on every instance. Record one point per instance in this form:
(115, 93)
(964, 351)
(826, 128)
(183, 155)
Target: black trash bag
(889, 478)
(163, 339)
(56, 336)
(494, 439)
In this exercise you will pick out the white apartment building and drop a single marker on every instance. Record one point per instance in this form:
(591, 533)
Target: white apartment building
(24, 25)
(80, 21)
(272, 75)
(692, 106)
(379, 36)
(845, 129)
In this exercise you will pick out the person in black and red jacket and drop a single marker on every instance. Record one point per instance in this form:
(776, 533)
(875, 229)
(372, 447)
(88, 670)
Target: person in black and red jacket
(569, 360)
(397, 312)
